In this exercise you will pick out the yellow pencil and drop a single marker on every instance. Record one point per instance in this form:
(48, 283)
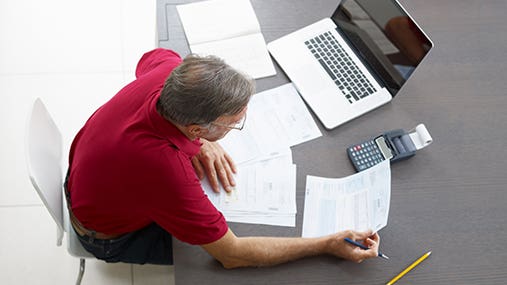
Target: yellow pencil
(423, 257)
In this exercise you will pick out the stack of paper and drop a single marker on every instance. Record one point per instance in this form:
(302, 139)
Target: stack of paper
(260, 197)
(228, 29)
(266, 180)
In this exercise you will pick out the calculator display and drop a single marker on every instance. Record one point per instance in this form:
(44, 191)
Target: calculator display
(384, 149)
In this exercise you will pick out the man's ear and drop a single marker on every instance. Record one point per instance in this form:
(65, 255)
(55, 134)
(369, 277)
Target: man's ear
(196, 130)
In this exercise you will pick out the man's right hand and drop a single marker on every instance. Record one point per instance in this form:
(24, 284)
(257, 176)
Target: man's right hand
(340, 248)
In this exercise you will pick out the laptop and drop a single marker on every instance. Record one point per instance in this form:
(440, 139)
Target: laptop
(353, 62)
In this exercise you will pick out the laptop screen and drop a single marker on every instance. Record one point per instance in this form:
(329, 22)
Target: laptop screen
(386, 38)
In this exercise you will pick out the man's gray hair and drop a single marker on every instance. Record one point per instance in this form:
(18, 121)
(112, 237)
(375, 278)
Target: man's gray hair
(201, 89)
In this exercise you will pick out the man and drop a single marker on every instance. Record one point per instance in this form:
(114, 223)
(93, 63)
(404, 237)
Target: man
(134, 170)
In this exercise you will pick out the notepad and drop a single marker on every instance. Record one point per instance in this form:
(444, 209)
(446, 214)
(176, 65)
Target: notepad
(230, 30)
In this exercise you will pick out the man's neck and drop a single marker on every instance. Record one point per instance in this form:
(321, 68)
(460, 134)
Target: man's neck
(185, 131)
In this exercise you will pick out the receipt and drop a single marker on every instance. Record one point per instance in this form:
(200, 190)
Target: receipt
(420, 136)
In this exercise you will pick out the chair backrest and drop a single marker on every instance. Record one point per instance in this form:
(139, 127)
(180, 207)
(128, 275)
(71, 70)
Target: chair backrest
(44, 159)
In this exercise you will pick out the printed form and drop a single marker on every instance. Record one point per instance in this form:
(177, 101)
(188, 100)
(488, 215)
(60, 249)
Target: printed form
(357, 202)
(276, 120)
(264, 194)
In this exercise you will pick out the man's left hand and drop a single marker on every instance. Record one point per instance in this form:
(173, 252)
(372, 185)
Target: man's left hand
(216, 164)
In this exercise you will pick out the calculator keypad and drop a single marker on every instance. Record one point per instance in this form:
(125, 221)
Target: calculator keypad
(365, 155)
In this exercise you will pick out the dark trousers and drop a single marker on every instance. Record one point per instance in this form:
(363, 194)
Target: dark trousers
(151, 244)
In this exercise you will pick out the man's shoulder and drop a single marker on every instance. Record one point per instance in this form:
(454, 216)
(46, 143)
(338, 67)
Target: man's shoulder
(155, 58)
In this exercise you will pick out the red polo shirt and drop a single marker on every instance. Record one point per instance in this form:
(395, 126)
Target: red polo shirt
(130, 167)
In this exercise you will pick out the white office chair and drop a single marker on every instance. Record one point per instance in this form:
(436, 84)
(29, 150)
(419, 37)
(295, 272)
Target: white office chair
(44, 159)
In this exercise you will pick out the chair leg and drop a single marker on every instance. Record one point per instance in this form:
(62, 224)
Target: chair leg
(81, 271)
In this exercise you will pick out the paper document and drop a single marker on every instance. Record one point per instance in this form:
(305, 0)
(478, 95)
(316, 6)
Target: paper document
(295, 121)
(266, 180)
(276, 120)
(264, 194)
(357, 202)
(230, 30)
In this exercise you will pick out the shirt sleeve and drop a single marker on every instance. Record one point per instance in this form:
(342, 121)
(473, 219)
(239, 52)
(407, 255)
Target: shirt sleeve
(154, 58)
(193, 219)
(183, 209)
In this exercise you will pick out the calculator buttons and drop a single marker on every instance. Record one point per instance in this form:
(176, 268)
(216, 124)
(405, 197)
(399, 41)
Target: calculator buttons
(365, 155)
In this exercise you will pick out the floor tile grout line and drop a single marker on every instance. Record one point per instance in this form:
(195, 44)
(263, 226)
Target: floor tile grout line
(22, 206)
(67, 73)
(132, 274)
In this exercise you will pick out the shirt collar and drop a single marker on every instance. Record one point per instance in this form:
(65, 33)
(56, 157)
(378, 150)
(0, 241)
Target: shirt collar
(170, 132)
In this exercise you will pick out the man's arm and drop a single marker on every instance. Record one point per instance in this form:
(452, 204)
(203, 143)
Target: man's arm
(234, 252)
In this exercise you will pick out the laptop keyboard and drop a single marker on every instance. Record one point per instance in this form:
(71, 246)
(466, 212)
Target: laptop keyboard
(337, 63)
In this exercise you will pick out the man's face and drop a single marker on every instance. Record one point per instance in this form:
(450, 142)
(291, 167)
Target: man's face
(223, 124)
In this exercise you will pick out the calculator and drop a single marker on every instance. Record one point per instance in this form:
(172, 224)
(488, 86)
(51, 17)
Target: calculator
(368, 153)
(394, 145)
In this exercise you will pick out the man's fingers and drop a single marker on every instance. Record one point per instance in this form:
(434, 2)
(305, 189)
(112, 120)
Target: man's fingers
(230, 163)
(229, 172)
(223, 176)
(217, 165)
(365, 254)
(371, 243)
(210, 170)
(213, 181)
(362, 235)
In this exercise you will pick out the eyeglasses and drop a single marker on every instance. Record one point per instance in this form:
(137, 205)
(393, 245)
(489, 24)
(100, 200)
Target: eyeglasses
(238, 126)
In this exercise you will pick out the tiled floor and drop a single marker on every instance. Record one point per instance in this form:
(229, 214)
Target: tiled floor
(74, 55)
